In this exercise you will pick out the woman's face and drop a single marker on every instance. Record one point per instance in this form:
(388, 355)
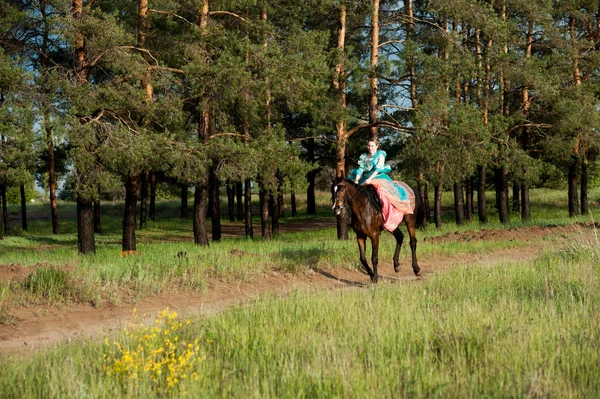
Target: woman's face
(371, 147)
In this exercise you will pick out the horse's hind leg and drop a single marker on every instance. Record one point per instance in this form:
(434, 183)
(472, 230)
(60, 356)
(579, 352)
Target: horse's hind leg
(360, 239)
(399, 236)
(410, 226)
(375, 256)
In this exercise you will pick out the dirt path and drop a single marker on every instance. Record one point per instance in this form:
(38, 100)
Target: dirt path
(38, 326)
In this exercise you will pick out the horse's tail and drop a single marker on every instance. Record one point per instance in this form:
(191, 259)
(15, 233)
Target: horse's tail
(420, 205)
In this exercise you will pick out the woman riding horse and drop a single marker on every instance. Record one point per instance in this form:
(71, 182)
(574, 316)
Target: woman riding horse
(398, 202)
(397, 199)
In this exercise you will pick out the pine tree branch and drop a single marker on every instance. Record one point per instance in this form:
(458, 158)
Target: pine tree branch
(172, 14)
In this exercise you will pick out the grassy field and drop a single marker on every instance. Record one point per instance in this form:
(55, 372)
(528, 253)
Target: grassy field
(529, 329)
(518, 330)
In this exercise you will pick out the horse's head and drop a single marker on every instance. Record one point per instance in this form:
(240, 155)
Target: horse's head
(339, 195)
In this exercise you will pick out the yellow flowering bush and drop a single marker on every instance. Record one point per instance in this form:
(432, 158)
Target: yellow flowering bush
(153, 353)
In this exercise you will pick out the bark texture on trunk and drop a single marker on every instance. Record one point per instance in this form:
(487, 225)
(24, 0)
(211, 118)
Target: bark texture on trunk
(130, 213)
(239, 193)
(373, 83)
(481, 199)
(215, 209)
(469, 198)
(274, 205)
(52, 182)
(4, 207)
(199, 215)
(1, 217)
(293, 204)
(23, 208)
(437, 211)
(584, 187)
(501, 175)
(86, 242)
(143, 200)
(525, 203)
(248, 208)
(459, 204)
(311, 202)
(516, 200)
(231, 201)
(572, 193)
(264, 214)
(152, 196)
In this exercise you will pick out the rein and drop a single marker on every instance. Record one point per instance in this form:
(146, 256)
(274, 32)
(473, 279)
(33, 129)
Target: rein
(362, 186)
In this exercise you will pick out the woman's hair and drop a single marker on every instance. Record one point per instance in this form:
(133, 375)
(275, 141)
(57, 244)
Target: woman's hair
(373, 141)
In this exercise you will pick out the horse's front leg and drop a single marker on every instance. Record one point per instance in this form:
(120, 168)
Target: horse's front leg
(413, 248)
(360, 239)
(399, 236)
(375, 256)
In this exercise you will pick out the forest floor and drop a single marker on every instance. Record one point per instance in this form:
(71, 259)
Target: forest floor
(36, 327)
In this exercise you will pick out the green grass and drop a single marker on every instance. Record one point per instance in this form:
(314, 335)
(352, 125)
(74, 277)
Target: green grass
(167, 259)
(514, 330)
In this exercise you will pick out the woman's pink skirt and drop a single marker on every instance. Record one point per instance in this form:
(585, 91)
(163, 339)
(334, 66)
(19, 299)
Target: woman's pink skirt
(392, 207)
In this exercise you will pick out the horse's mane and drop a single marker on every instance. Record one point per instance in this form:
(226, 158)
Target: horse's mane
(369, 192)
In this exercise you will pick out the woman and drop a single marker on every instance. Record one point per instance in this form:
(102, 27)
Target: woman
(397, 198)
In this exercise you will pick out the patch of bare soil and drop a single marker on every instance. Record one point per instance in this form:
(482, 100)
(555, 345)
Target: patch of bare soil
(39, 326)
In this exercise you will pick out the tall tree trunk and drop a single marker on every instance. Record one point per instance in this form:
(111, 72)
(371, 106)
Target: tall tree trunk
(459, 203)
(501, 175)
(437, 206)
(373, 81)
(201, 189)
(215, 211)
(339, 84)
(183, 213)
(153, 196)
(311, 202)
(526, 132)
(97, 217)
(130, 213)
(4, 207)
(52, 179)
(239, 193)
(49, 137)
(86, 242)
(230, 201)
(427, 204)
(584, 185)
(199, 219)
(481, 200)
(572, 182)
(293, 204)
(23, 208)
(525, 203)
(1, 217)
(264, 213)
(422, 188)
(274, 204)
(516, 203)
(409, 52)
(469, 198)
(143, 199)
(248, 209)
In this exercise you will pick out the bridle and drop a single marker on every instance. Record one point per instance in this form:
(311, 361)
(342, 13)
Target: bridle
(336, 201)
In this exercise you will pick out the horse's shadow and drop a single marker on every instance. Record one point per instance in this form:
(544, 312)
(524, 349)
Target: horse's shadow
(343, 280)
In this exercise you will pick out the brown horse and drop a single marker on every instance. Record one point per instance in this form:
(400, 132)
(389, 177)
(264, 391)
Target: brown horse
(367, 221)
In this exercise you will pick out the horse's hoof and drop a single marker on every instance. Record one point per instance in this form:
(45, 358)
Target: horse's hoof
(397, 269)
(417, 271)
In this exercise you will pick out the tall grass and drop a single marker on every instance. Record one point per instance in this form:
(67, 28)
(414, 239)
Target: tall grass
(514, 330)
